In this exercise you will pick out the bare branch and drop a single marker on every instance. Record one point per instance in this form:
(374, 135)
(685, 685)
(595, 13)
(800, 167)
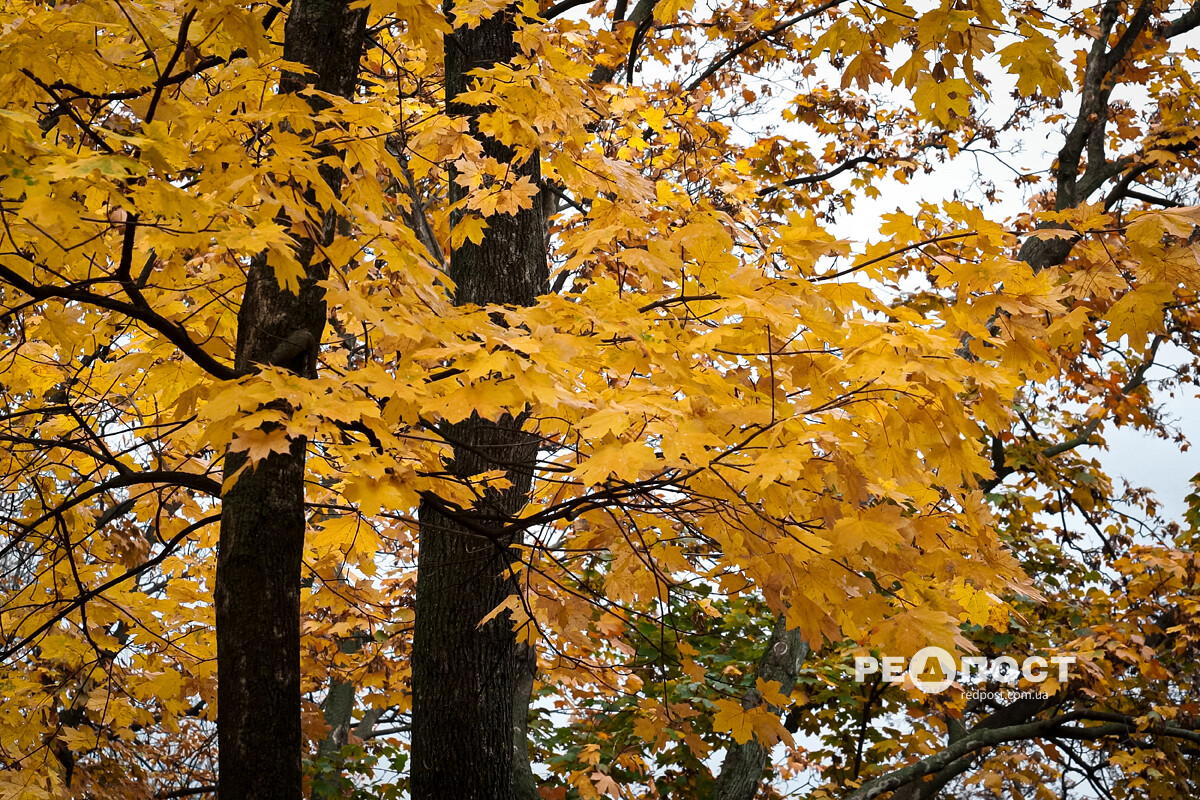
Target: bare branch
(717, 65)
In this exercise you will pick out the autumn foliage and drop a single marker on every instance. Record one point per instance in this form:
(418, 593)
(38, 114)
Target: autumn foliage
(720, 433)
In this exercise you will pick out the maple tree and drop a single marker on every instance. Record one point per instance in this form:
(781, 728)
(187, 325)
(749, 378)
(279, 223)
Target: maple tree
(442, 393)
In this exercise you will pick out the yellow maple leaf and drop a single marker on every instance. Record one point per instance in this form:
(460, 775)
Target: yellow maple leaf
(1138, 314)
(771, 694)
(259, 444)
(731, 718)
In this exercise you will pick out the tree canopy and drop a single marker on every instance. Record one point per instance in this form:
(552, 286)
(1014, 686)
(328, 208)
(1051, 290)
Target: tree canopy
(495, 400)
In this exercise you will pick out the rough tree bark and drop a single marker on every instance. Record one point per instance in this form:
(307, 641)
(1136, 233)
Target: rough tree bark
(745, 765)
(471, 684)
(257, 591)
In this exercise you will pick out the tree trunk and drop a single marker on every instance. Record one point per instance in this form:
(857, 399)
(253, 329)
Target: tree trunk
(257, 592)
(745, 764)
(471, 684)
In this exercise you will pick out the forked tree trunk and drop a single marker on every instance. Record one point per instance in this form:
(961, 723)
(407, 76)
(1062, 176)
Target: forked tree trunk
(471, 684)
(257, 592)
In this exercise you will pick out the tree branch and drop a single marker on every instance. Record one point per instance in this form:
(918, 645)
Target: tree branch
(563, 7)
(642, 12)
(142, 312)
(1082, 435)
(820, 176)
(716, 66)
(1149, 198)
(189, 792)
(1188, 21)
(187, 480)
(980, 738)
(171, 545)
